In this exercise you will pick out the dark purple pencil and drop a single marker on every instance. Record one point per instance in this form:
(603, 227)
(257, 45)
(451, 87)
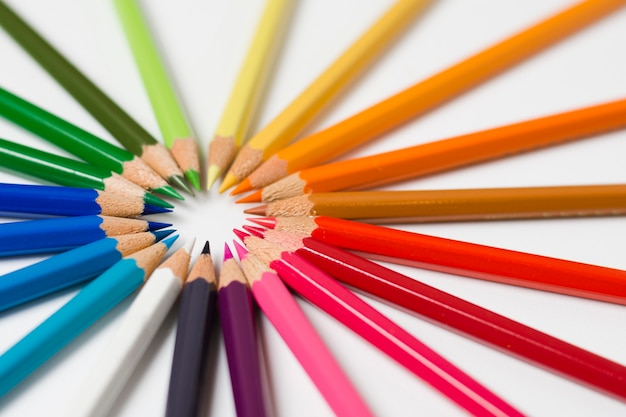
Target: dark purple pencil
(237, 318)
(195, 322)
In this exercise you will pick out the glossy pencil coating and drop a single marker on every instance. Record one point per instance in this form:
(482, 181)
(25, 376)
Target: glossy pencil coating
(81, 143)
(324, 292)
(172, 122)
(32, 201)
(465, 258)
(69, 172)
(458, 151)
(196, 320)
(287, 317)
(325, 88)
(452, 312)
(60, 234)
(236, 314)
(125, 129)
(455, 205)
(133, 336)
(70, 268)
(416, 100)
(90, 304)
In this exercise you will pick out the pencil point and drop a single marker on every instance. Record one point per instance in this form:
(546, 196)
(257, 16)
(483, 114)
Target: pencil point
(227, 253)
(162, 234)
(242, 187)
(206, 250)
(189, 246)
(152, 209)
(170, 241)
(169, 191)
(228, 182)
(194, 178)
(258, 210)
(213, 173)
(179, 182)
(268, 222)
(157, 225)
(156, 201)
(254, 231)
(255, 197)
(240, 234)
(241, 251)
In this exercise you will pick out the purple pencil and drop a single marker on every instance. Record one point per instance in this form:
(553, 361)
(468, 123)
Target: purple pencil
(237, 318)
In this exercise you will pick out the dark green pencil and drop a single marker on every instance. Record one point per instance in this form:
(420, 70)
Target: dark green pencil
(69, 172)
(126, 130)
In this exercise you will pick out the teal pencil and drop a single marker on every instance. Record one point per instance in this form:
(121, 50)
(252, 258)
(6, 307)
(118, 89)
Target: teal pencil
(84, 309)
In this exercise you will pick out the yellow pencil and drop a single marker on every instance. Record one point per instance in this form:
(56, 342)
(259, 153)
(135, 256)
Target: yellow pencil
(293, 119)
(244, 98)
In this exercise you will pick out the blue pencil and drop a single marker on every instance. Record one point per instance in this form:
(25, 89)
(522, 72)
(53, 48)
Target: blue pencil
(22, 200)
(70, 268)
(64, 233)
(90, 304)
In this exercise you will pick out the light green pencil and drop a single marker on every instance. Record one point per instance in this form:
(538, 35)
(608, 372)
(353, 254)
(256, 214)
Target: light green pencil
(167, 110)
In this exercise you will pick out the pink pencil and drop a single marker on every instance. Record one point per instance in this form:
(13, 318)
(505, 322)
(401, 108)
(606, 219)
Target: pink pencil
(323, 291)
(289, 320)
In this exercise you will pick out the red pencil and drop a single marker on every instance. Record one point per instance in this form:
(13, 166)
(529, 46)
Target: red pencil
(454, 313)
(461, 258)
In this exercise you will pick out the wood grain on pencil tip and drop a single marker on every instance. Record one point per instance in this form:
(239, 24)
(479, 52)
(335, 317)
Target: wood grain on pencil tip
(327, 86)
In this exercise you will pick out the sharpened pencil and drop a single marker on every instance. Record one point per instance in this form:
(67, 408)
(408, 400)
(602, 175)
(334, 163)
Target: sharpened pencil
(60, 234)
(233, 127)
(240, 339)
(442, 155)
(123, 128)
(196, 320)
(327, 86)
(172, 122)
(498, 331)
(455, 205)
(71, 268)
(23, 200)
(81, 143)
(323, 291)
(133, 336)
(462, 258)
(69, 172)
(84, 309)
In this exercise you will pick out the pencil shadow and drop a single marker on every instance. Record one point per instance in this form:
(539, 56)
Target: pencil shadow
(266, 371)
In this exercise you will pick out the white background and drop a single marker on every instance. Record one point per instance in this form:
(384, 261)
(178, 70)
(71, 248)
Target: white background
(204, 42)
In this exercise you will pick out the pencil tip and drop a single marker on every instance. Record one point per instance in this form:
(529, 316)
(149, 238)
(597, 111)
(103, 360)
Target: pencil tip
(228, 182)
(240, 234)
(162, 234)
(212, 174)
(206, 250)
(268, 222)
(170, 241)
(156, 201)
(179, 182)
(254, 231)
(228, 254)
(169, 191)
(151, 209)
(258, 210)
(241, 251)
(194, 178)
(157, 225)
(255, 197)
(242, 187)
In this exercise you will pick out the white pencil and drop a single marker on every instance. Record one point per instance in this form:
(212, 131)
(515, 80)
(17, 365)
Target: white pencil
(138, 328)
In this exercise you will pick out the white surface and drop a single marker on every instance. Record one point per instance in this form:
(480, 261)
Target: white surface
(204, 43)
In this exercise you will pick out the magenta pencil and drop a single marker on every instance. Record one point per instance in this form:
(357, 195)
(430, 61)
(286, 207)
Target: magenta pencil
(289, 320)
(323, 291)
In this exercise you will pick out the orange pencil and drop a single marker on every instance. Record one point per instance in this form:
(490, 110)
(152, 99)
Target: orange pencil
(455, 205)
(437, 156)
(424, 96)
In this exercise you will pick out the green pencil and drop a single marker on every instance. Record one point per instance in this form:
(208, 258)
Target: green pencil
(126, 130)
(69, 172)
(167, 110)
(81, 143)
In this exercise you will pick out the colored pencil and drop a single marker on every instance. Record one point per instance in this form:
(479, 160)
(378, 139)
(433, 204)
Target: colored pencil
(240, 339)
(287, 317)
(454, 313)
(69, 172)
(455, 205)
(70, 268)
(462, 258)
(326, 87)
(248, 89)
(85, 308)
(445, 154)
(174, 128)
(327, 294)
(133, 336)
(23, 200)
(60, 234)
(123, 128)
(196, 320)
